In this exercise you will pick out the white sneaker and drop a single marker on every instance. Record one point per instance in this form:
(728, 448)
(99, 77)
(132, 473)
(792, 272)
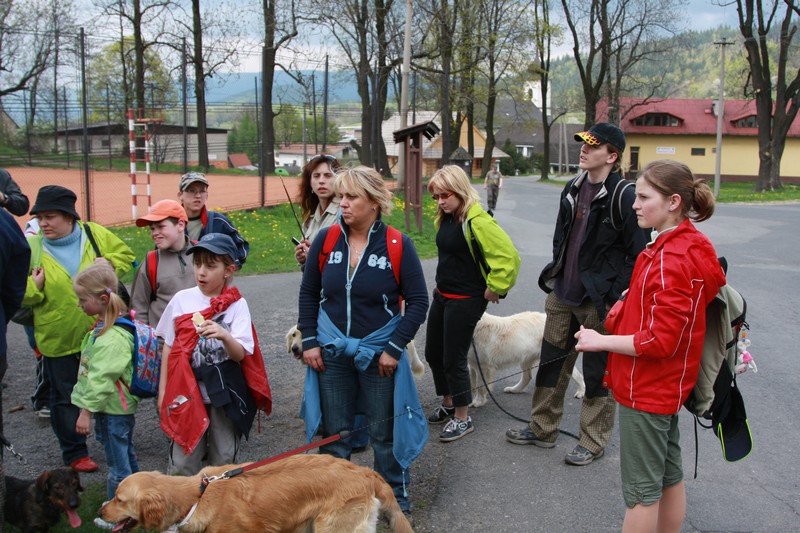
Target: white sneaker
(44, 412)
(102, 524)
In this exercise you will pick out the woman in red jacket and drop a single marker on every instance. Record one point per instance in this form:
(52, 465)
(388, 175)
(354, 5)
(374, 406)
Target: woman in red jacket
(657, 341)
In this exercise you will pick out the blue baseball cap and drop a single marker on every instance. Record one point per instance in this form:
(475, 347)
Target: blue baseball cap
(217, 243)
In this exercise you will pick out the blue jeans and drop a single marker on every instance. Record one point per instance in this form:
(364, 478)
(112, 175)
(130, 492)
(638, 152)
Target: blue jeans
(63, 373)
(115, 432)
(339, 388)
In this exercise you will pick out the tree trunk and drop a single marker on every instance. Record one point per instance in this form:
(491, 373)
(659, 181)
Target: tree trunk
(444, 87)
(268, 126)
(138, 47)
(199, 86)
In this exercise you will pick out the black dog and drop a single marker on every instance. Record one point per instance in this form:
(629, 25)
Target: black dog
(35, 506)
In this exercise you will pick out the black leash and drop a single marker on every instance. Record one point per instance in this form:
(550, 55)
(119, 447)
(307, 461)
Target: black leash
(489, 391)
(291, 204)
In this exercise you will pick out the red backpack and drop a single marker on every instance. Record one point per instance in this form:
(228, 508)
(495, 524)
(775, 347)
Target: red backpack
(394, 243)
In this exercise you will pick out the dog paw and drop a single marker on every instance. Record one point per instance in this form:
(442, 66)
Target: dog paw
(513, 390)
(579, 394)
(478, 402)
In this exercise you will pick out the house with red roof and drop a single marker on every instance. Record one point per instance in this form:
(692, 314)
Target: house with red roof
(685, 129)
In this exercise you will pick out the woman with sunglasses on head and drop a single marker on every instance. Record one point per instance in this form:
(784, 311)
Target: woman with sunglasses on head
(477, 264)
(319, 205)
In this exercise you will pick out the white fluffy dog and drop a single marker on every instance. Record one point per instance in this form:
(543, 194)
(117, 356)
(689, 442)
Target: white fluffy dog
(294, 345)
(509, 341)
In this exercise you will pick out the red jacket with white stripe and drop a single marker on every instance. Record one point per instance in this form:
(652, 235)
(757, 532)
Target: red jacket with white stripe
(673, 281)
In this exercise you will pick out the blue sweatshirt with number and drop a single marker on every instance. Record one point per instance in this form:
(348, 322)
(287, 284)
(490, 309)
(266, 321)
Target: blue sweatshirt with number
(363, 300)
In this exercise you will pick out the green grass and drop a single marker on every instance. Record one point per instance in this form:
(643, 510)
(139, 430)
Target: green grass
(270, 230)
(743, 192)
(739, 192)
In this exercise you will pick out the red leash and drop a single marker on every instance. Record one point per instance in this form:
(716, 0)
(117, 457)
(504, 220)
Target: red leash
(251, 466)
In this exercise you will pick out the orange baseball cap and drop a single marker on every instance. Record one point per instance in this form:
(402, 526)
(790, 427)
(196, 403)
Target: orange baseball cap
(161, 211)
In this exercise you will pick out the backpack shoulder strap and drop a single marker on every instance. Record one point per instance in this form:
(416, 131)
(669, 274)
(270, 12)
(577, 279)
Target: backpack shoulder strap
(394, 243)
(152, 271)
(616, 203)
(327, 246)
(90, 237)
(35, 243)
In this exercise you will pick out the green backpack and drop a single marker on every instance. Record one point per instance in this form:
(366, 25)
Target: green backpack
(715, 396)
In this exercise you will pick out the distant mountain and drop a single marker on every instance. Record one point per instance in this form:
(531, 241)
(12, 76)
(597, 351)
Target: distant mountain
(241, 87)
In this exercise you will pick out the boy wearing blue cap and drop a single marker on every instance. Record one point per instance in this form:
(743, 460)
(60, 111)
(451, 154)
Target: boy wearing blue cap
(212, 374)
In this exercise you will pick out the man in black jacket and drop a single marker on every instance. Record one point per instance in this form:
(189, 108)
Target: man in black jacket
(593, 258)
(11, 196)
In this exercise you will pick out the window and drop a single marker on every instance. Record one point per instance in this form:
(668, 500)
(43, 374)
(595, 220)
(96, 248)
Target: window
(747, 122)
(698, 151)
(105, 143)
(657, 119)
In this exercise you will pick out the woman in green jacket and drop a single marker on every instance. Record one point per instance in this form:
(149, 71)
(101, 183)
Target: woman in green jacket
(58, 252)
(477, 264)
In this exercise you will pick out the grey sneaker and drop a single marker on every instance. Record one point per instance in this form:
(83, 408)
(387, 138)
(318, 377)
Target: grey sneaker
(580, 456)
(455, 429)
(441, 414)
(526, 436)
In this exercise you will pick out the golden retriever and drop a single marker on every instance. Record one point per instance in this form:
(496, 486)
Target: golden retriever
(294, 345)
(302, 493)
(506, 341)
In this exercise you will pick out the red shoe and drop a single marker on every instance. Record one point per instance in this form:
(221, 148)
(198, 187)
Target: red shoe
(84, 464)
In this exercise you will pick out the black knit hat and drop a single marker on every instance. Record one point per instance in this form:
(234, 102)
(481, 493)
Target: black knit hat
(55, 198)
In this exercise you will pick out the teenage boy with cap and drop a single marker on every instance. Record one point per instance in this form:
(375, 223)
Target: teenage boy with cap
(210, 352)
(167, 269)
(60, 250)
(193, 194)
(591, 267)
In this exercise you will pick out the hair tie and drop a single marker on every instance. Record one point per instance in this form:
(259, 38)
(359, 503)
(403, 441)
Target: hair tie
(109, 292)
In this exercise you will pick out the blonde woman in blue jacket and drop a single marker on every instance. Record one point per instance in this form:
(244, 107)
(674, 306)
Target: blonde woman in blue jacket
(58, 253)
(478, 264)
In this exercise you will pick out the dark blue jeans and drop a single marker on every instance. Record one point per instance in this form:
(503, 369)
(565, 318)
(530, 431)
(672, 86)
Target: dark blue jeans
(63, 373)
(339, 388)
(115, 432)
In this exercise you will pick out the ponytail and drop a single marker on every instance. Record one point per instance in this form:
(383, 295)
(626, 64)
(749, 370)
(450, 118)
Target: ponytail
(670, 177)
(98, 280)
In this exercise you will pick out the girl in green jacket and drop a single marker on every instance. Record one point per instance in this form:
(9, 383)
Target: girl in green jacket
(106, 366)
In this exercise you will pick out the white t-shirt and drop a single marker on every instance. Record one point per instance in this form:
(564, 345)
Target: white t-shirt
(236, 319)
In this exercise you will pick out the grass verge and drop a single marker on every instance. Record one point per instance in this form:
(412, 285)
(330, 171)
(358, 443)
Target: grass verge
(270, 230)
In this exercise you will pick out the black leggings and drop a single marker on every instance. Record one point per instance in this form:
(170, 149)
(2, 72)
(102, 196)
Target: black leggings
(451, 322)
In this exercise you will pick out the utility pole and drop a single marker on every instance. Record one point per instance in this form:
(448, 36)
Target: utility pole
(401, 164)
(720, 111)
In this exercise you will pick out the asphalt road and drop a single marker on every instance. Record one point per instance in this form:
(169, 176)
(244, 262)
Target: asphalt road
(484, 484)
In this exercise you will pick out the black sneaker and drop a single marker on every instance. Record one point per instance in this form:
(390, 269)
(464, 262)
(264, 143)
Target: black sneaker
(526, 436)
(441, 414)
(455, 429)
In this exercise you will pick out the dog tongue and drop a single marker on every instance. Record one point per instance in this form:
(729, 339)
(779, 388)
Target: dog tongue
(74, 519)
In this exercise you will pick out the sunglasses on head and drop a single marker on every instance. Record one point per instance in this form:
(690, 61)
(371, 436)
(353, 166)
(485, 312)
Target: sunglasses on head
(443, 196)
(327, 157)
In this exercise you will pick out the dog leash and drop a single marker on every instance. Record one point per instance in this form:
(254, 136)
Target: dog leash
(489, 391)
(242, 469)
(24, 462)
(207, 480)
